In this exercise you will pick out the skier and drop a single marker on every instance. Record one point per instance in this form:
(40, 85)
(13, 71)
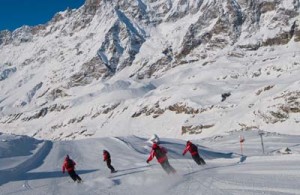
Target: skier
(160, 154)
(193, 149)
(106, 157)
(69, 165)
(154, 139)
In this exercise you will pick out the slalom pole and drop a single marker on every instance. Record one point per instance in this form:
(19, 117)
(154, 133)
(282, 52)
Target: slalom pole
(242, 139)
(241, 143)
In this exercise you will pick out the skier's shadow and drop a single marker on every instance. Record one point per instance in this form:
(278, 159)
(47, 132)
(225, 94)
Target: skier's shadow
(53, 174)
(208, 168)
(119, 175)
(41, 175)
(132, 171)
(242, 159)
(134, 168)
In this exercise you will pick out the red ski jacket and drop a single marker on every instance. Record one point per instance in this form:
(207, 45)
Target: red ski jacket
(66, 165)
(159, 153)
(191, 148)
(106, 155)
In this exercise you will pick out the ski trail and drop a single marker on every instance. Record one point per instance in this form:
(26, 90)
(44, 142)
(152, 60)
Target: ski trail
(26, 185)
(236, 175)
(138, 143)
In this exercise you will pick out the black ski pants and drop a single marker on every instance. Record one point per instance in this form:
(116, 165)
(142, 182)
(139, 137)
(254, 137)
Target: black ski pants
(74, 176)
(198, 159)
(167, 167)
(108, 163)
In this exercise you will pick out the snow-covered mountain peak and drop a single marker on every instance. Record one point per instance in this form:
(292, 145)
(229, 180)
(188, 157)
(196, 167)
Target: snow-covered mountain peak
(176, 68)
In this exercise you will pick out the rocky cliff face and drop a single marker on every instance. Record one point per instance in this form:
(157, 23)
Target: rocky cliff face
(215, 25)
(137, 40)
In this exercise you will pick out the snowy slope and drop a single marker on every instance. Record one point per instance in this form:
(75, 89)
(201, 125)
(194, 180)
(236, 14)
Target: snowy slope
(272, 173)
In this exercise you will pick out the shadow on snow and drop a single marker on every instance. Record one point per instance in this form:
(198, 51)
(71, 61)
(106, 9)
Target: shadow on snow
(40, 175)
(242, 159)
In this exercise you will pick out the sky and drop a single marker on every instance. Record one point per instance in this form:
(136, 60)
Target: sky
(16, 13)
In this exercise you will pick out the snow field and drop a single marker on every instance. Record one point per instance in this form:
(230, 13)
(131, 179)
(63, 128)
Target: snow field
(40, 172)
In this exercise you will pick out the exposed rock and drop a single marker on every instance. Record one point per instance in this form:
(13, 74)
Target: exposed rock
(224, 96)
(22, 35)
(156, 111)
(7, 72)
(37, 29)
(296, 31)
(5, 37)
(57, 108)
(91, 6)
(105, 109)
(282, 111)
(251, 47)
(10, 118)
(93, 69)
(267, 7)
(39, 114)
(245, 127)
(280, 39)
(56, 93)
(57, 17)
(76, 120)
(264, 89)
(122, 42)
(181, 108)
(191, 129)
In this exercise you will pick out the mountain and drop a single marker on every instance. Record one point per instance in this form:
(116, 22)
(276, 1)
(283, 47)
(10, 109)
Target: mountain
(181, 69)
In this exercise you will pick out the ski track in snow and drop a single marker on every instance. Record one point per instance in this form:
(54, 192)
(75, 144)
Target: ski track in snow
(226, 171)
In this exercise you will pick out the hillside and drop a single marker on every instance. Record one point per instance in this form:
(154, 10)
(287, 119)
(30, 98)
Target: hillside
(181, 69)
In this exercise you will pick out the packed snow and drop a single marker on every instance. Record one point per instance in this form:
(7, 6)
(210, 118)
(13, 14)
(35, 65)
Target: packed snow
(36, 169)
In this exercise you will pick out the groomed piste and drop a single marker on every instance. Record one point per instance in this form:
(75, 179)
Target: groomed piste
(29, 166)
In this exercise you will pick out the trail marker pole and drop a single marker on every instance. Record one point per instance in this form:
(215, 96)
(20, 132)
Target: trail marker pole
(242, 139)
(261, 133)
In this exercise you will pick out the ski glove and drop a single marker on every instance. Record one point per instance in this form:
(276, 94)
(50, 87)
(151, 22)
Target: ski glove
(147, 161)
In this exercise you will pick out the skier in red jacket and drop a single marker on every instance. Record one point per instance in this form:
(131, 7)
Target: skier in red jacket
(193, 149)
(160, 154)
(69, 165)
(106, 157)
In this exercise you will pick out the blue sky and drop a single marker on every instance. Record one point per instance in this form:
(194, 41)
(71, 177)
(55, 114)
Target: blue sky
(15, 13)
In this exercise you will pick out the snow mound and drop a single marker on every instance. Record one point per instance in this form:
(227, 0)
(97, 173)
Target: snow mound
(14, 145)
(284, 151)
(19, 154)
